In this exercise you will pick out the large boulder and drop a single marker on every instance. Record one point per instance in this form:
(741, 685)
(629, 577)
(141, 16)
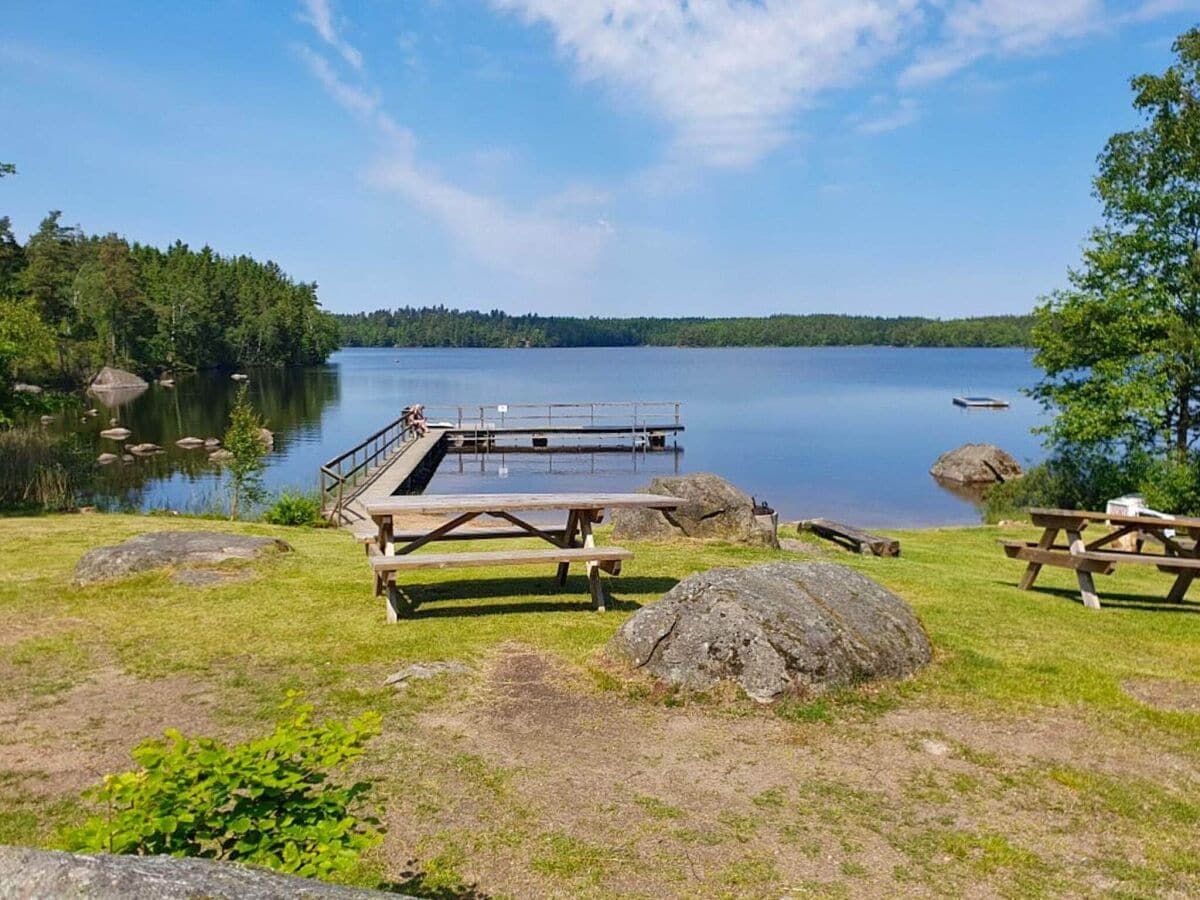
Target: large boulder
(110, 378)
(710, 507)
(976, 464)
(25, 873)
(158, 549)
(775, 629)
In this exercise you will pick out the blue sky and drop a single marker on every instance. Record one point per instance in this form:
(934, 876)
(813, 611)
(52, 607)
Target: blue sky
(591, 157)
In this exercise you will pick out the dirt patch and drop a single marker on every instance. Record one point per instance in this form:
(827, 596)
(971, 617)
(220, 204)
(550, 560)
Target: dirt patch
(536, 784)
(65, 743)
(1165, 693)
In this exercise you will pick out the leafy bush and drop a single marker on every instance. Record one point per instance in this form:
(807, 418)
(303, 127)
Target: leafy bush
(243, 440)
(268, 802)
(43, 471)
(295, 509)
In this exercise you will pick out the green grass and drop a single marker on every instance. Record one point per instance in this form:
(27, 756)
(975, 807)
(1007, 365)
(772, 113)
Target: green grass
(308, 620)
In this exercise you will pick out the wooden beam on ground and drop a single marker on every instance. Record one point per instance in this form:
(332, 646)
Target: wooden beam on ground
(854, 538)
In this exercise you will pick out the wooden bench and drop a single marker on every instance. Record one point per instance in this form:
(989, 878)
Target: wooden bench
(371, 535)
(597, 559)
(853, 538)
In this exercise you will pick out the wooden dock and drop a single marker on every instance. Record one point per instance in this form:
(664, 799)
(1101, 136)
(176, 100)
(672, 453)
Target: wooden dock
(395, 461)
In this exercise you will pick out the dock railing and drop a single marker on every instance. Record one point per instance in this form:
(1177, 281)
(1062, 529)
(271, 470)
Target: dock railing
(342, 474)
(634, 416)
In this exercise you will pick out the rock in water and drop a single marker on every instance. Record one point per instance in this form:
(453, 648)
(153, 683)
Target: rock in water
(143, 449)
(220, 456)
(25, 872)
(710, 507)
(116, 434)
(21, 388)
(267, 437)
(775, 628)
(189, 443)
(106, 459)
(109, 379)
(976, 464)
(157, 549)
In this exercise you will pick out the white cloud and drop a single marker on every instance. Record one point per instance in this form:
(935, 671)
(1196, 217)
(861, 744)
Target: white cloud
(731, 75)
(905, 113)
(319, 14)
(538, 245)
(728, 74)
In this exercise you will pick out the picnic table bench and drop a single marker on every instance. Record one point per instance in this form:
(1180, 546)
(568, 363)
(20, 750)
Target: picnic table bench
(1177, 543)
(391, 551)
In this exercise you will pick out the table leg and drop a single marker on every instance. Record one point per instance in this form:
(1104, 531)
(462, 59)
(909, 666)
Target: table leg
(1087, 585)
(1031, 571)
(569, 541)
(593, 567)
(1180, 588)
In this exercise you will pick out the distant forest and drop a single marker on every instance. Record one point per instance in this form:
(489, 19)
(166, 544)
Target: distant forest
(71, 302)
(441, 327)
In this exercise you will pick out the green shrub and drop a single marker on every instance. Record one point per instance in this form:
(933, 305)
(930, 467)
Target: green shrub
(269, 801)
(295, 509)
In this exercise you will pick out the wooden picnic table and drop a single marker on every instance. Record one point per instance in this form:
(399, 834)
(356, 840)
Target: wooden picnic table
(393, 550)
(1174, 543)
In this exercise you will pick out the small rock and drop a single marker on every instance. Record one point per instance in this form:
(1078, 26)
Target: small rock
(189, 443)
(92, 413)
(47, 420)
(425, 670)
(212, 443)
(143, 449)
(935, 748)
(220, 456)
(116, 434)
(127, 458)
(167, 382)
(238, 376)
(106, 459)
(20, 388)
(267, 438)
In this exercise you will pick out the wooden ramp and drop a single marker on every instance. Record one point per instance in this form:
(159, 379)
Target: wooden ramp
(385, 479)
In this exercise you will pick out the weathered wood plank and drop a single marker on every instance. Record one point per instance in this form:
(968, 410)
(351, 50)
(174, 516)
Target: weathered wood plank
(499, 558)
(1060, 558)
(364, 536)
(447, 503)
(1041, 515)
(858, 540)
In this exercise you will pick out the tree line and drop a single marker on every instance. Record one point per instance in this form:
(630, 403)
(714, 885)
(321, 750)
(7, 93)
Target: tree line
(438, 326)
(71, 302)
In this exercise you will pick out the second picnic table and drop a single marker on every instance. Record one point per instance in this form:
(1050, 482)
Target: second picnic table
(392, 550)
(1178, 538)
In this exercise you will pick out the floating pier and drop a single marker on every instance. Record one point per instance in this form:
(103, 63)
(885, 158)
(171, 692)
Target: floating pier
(395, 460)
(981, 403)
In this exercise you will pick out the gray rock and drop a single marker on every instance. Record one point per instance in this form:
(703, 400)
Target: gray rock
(210, 443)
(773, 629)
(45, 874)
(157, 549)
(21, 388)
(47, 420)
(106, 459)
(189, 443)
(220, 456)
(267, 437)
(426, 670)
(711, 507)
(975, 464)
(115, 387)
(239, 376)
(143, 449)
(116, 434)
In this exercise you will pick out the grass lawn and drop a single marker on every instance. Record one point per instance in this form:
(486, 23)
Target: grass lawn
(1048, 749)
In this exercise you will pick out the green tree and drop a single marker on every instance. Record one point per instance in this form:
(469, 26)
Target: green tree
(244, 441)
(112, 301)
(7, 169)
(1120, 348)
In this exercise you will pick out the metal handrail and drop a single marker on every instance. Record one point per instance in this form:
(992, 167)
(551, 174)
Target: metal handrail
(639, 414)
(335, 477)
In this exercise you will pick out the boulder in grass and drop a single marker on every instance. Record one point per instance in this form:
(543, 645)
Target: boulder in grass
(160, 549)
(26, 872)
(775, 629)
(709, 507)
(976, 464)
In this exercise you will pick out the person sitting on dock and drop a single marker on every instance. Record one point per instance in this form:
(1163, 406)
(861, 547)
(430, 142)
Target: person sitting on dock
(414, 418)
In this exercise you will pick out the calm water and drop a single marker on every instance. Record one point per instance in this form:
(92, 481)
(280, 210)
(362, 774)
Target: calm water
(845, 432)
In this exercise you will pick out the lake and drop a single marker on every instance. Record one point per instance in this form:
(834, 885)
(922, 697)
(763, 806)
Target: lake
(843, 432)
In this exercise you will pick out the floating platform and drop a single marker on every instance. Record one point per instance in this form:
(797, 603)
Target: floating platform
(980, 403)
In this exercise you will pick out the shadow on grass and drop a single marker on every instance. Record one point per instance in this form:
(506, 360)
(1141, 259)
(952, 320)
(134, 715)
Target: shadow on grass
(1145, 602)
(418, 884)
(544, 595)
